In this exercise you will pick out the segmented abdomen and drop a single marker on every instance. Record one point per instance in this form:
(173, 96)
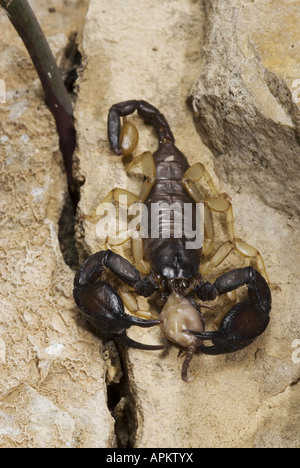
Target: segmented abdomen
(171, 217)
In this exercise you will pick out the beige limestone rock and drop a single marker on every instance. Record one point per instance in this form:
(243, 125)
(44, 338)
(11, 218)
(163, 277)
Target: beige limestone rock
(154, 51)
(247, 97)
(52, 385)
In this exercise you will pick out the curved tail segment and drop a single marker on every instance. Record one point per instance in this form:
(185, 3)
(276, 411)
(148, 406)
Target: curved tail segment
(149, 113)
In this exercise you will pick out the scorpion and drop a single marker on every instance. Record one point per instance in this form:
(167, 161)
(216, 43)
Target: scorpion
(164, 266)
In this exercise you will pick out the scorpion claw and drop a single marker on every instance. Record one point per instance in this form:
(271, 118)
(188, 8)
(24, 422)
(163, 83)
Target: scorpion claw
(104, 310)
(142, 322)
(246, 320)
(124, 339)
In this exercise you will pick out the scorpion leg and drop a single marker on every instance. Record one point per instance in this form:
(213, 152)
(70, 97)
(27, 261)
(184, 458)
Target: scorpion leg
(131, 303)
(120, 195)
(138, 254)
(132, 200)
(193, 174)
(149, 171)
(248, 251)
(219, 205)
(241, 247)
(222, 205)
(148, 112)
(101, 303)
(246, 320)
(123, 197)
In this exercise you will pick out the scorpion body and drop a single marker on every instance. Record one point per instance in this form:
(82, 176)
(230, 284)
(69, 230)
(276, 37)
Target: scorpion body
(168, 254)
(172, 271)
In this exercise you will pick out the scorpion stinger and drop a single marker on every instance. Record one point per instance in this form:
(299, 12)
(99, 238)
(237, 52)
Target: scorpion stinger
(169, 264)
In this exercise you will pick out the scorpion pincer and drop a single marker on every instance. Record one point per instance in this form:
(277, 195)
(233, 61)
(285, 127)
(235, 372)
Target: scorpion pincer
(164, 265)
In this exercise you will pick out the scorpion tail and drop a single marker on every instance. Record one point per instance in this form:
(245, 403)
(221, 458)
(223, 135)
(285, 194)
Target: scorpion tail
(152, 116)
(149, 113)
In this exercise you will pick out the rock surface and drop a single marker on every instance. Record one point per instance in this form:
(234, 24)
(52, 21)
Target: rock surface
(247, 97)
(53, 389)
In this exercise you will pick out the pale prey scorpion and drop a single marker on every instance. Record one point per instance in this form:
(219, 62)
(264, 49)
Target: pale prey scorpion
(165, 266)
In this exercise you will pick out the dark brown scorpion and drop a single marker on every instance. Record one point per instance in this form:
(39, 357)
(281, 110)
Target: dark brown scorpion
(164, 264)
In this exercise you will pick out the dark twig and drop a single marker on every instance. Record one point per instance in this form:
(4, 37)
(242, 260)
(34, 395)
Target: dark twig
(23, 19)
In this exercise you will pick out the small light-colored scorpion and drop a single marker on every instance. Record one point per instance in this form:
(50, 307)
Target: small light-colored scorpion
(164, 266)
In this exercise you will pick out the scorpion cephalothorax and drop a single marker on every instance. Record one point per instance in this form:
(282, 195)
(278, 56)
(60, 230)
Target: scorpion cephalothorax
(164, 265)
